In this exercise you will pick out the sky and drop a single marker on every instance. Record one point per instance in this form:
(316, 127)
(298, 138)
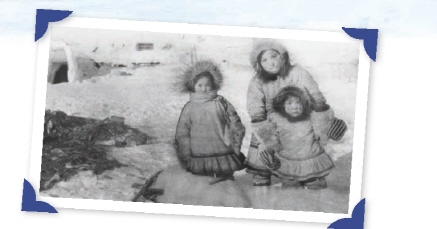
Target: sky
(398, 18)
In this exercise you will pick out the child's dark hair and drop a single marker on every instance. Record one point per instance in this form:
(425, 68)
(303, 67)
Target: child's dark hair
(292, 91)
(205, 74)
(283, 71)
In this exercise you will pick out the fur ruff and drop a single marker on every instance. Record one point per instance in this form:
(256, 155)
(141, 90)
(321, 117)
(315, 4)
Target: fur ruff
(265, 44)
(284, 94)
(185, 79)
(266, 135)
(235, 130)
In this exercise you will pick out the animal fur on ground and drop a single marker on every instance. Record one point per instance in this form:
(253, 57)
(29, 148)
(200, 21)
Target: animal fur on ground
(181, 187)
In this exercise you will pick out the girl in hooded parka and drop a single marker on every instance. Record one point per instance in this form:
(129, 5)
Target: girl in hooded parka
(293, 152)
(274, 71)
(209, 133)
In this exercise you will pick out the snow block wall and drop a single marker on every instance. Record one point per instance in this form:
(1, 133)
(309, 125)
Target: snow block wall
(67, 65)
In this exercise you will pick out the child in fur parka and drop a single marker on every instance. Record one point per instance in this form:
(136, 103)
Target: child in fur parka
(209, 133)
(293, 152)
(274, 71)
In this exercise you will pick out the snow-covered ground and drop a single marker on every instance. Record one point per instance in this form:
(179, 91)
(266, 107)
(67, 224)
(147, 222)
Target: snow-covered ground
(147, 101)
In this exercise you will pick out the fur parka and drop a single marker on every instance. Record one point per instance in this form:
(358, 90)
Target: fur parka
(209, 133)
(295, 143)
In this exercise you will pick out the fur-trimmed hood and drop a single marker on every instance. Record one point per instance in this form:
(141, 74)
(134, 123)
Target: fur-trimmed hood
(285, 93)
(265, 44)
(185, 80)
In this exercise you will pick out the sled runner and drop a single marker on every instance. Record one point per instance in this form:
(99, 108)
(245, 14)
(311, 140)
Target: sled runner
(146, 191)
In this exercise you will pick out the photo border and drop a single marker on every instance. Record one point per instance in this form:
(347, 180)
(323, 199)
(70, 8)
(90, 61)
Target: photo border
(178, 209)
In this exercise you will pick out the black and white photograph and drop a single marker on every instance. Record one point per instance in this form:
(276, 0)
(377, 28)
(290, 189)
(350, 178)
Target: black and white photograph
(195, 118)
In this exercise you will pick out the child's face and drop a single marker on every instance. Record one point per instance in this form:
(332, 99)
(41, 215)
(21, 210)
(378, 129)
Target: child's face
(203, 85)
(271, 61)
(293, 107)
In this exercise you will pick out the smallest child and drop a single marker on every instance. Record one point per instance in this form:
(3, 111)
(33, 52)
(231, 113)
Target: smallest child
(292, 150)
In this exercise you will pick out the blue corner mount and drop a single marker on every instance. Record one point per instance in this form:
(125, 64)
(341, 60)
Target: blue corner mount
(44, 17)
(29, 202)
(355, 222)
(369, 37)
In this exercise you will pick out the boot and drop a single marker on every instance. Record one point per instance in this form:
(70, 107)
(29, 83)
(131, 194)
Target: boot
(316, 184)
(261, 180)
(222, 178)
(291, 184)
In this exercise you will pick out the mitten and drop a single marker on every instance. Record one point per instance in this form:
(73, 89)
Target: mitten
(337, 129)
(270, 160)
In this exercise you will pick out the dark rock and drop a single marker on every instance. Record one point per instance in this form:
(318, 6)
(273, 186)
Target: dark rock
(72, 144)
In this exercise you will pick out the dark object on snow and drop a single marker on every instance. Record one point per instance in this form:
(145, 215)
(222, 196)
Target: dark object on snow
(97, 65)
(147, 192)
(72, 144)
(167, 46)
(61, 160)
(145, 64)
(110, 131)
(144, 46)
(125, 74)
(119, 66)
